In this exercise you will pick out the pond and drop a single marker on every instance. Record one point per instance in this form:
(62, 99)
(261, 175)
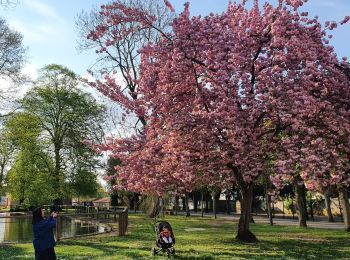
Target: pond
(20, 229)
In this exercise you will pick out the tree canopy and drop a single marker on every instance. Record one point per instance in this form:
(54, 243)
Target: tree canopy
(67, 117)
(225, 93)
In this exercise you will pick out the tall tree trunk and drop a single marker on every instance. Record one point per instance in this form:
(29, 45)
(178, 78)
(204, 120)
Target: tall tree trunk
(206, 203)
(244, 233)
(187, 205)
(344, 201)
(304, 202)
(293, 209)
(57, 172)
(302, 214)
(228, 209)
(156, 208)
(184, 204)
(176, 204)
(114, 198)
(327, 201)
(2, 169)
(213, 195)
(268, 206)
(311, 208)
(202, 203)
(195, 202)
(136, 199)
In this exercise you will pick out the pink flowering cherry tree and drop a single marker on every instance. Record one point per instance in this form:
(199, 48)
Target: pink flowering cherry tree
(223, 93)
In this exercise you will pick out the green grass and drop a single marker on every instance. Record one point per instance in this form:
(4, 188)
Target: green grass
(4, 209)
(215, 242)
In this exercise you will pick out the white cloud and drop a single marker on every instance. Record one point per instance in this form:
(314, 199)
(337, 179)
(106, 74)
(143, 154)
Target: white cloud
(39, 33)
(43, 9)
(48, 29)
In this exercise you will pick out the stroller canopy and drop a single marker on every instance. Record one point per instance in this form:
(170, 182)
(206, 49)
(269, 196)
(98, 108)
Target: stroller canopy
(164, 224)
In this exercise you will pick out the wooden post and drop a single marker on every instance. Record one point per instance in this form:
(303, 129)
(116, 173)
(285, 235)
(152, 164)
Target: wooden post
(58, 228)
(123, 222)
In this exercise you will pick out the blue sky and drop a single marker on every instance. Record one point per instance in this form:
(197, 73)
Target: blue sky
(49, 30)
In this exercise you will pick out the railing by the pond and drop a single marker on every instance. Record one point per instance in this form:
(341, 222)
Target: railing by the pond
(122, 218)
(120, 214)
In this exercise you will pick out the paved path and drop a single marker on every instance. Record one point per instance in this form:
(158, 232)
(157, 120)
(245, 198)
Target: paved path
(294, 222)
(320, 222)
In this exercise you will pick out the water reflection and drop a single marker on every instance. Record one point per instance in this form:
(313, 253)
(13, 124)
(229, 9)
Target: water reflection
(20, 229)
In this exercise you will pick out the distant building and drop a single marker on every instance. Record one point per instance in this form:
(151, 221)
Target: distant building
(103, 203)
(5, 200)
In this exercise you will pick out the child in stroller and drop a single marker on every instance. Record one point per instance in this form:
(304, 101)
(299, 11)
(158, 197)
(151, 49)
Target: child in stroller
(165, 239)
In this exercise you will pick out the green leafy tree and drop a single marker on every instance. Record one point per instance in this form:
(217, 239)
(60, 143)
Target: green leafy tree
(84, 183)
(67, 116)
(6, 150)
(12, 52)
(12, 61)
(28, 180)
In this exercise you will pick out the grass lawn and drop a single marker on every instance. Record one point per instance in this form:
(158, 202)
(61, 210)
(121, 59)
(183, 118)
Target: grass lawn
(216, 241)
(4, 209)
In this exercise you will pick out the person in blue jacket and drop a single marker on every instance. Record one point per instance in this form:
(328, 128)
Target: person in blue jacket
(43, 238)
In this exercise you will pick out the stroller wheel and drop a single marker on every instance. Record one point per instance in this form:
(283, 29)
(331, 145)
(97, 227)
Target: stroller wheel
(171, 252)
(153, 251)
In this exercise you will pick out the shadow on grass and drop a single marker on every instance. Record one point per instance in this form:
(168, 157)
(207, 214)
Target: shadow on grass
(13, 252)
(134, 246)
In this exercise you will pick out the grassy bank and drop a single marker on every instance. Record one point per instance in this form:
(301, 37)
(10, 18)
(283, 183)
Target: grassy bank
(199, 238)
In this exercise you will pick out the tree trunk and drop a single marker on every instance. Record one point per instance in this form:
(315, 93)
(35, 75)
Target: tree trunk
(206, 203)
(2, 169)
(213, 195)
(57, 171)
(195, 202)
(304, 201)
(344, 201)
(187, 206)
(268, 206)
(244, 233)
(327, 201)
(202, 204)
(228, 209)
(114, 198)
(135, 201)
(311, 208)
(302, 214)
(156, 208)
(176, 204)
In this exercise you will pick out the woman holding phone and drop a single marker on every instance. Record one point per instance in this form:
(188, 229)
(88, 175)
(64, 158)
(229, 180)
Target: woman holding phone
(43, 238)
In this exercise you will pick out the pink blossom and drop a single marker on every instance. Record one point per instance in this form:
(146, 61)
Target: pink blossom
(169, 6)
(222, 94)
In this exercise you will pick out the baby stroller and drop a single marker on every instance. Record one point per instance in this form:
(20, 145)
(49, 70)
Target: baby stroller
(165, 239)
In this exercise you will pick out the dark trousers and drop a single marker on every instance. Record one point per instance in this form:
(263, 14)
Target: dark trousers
(48, 254)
